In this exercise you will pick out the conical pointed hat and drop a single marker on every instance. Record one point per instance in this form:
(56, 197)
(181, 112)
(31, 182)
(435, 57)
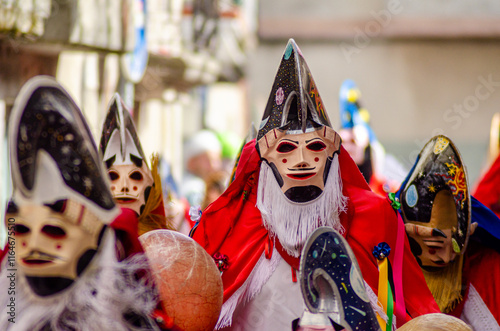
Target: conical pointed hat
(294, 103)
(439, 166)
(53, 156)
(119, 140)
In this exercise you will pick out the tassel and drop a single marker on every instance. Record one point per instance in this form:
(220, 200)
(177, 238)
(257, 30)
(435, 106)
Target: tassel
(385, 299)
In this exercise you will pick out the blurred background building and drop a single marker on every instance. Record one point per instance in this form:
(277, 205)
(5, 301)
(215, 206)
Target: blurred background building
(423, 67)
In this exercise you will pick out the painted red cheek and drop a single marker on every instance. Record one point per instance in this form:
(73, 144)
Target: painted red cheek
(432, 251)
(112, 188)
(58, 246)
(316, 159)
(24, 244)
(135, 188)
(284, 160)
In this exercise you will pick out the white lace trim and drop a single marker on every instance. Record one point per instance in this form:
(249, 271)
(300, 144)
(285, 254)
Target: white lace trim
(477, 314)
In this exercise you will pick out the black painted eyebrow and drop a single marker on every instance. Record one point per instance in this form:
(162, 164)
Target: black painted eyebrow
(317, 138)
(293, 141)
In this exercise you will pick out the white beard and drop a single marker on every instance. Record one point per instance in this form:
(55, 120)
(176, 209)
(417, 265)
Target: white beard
(96, 300)
(293, 222)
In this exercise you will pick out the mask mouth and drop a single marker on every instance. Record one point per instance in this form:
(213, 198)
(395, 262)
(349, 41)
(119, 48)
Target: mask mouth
(303, 194)
(126, 199)
(35, 261)
(440, 264)
(433, 269)
(301, 176)
(38, 258)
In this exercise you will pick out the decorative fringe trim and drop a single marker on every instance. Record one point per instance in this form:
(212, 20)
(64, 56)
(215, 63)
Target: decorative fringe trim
(148, 220)
(377, 306)
(251, 287)
(97, 300)
(477, 314)
(293, 222)
(446, 285)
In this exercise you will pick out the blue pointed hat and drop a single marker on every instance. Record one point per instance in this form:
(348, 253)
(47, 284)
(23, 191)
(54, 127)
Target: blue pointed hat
(352, 114)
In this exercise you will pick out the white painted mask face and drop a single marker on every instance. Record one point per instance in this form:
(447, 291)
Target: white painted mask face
(129, 184)
(300, 161)
(54, 248)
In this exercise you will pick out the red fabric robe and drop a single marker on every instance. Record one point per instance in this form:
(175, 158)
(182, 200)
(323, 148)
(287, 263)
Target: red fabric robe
(482, 270)
(232, 226)
(487, 190)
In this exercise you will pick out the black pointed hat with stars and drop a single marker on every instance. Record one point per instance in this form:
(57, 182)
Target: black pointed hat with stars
(294, 104)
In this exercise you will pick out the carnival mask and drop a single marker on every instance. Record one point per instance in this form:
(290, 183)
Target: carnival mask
(300, 162)
(61, 201)
(433, 245)
(435, 205)
(130, 185)
(52, 247)
(131, 179)
(295, 136)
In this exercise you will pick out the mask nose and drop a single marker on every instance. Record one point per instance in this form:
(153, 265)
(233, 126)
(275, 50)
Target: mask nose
(125, 185)
(302, 162)
(447, 255)
(35, 241)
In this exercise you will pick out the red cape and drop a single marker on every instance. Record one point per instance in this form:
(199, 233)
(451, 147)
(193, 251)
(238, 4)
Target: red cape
(232, 226)
(482, 269)
(487, 190)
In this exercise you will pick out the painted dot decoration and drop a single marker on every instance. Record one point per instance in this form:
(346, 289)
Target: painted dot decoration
(280, 96)
(411, 196)
(331, 254)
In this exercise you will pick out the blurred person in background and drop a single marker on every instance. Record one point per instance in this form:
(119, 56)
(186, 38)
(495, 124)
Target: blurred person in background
(230, 147)
(203, 156)
(176, 206)
(216, 184)
(381, 170)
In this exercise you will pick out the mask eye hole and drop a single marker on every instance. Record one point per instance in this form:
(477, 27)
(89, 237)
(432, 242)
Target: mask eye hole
(316, 146)
(53, 231)
(285, 147)
(20, 229)
(113, 175)
(136, 175)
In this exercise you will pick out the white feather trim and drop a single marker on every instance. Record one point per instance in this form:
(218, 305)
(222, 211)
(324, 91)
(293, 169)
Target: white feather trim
(293, 222)
(96, 301)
